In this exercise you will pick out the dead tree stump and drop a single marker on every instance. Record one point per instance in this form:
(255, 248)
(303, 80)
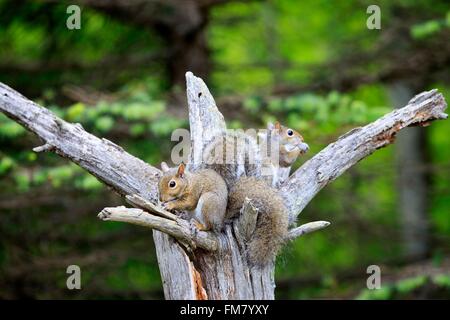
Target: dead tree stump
(216, 269)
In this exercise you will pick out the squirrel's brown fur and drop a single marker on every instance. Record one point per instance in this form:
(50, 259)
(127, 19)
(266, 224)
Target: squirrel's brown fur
(236, 154)
(230, 156)
(272, 224)
(204, 193)
(291, 144)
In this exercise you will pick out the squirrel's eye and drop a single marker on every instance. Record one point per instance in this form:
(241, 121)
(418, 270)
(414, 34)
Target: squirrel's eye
(290, 132)
(172, 184)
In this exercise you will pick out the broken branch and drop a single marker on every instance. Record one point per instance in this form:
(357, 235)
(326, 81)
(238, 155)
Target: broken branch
(180, 231)
(306, 228)
(355, 145)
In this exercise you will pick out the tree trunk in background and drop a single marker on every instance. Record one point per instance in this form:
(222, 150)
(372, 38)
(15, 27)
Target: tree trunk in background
(272, 40)
(181, 24)
(189, 52)
(412, 183)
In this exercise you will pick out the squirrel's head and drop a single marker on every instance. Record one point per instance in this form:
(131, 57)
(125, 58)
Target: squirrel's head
(173, 182)
(291, 143)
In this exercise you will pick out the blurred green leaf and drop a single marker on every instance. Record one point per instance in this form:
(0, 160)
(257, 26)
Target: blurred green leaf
(408, 285)
(442, 280)
(6, 164)
(75, 112)
(11, 129)
(252, 105)
(89, 182)
(383, 293)
(425, 29)
(104, 124)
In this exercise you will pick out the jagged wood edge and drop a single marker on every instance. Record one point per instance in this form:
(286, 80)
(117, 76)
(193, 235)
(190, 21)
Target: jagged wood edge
(178, 229)
(337, 157)
(129, 175)
(122, 172)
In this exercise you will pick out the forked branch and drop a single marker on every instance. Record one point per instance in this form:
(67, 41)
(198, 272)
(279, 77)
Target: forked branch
(179, 229)
(104, 159)
(128, 175)
(355, 145)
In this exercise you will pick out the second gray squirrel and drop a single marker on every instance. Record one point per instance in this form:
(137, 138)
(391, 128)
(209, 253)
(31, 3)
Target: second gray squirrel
(205, 192)
(235, 154)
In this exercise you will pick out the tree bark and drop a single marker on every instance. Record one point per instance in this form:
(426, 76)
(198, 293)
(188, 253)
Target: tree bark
(212, 266)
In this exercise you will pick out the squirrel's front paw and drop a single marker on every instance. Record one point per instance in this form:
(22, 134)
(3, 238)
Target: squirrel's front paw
(169, 206)
(193, 227)
(201, 226)
(196, 226)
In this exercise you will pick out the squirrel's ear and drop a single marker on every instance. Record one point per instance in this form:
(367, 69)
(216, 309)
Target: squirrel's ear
(277, 125)
(180, 171)
(164, 167)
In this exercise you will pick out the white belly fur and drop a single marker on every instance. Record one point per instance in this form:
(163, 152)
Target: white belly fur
(197, 213)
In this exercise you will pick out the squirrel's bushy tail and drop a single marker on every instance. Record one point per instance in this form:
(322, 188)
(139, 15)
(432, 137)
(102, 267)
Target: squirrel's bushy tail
(272, 224)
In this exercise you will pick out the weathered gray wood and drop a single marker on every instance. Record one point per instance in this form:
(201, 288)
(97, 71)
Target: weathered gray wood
(113, 166)
(355, 145)
(102, 158)
(178, 229)
(306, 228)
(245, 224)
(205, 120)
(140, 202)
(223, 272)
(178, 273)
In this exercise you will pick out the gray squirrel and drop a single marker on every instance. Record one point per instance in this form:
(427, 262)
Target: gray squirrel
(217, 193)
